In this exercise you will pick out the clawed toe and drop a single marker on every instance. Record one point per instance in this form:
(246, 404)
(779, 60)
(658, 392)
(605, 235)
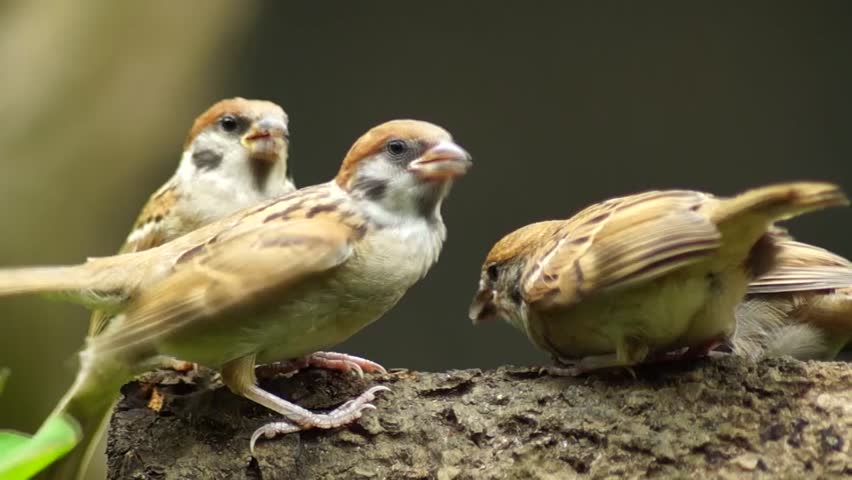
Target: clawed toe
(342, 415)
(560, 371)
(270, 430)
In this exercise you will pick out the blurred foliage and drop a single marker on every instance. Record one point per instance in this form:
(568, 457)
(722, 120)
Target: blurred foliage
(22, 456)
(96, 96)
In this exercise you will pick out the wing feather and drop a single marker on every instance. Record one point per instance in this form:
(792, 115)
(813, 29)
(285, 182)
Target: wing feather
(619, 243)
(230, 273)
(803, 267)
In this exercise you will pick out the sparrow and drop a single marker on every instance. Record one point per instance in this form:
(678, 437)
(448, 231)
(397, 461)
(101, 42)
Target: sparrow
(640, 276)
(278, 280)
(234, 156)
(801, 308)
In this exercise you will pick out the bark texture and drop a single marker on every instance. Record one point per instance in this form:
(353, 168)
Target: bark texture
(722, 418)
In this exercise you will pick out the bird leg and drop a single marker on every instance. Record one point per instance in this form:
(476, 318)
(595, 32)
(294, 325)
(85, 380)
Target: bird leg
(239, 376)
(171, 363)
(628, 353)
(585, 365)
(694, 352)
(328, 360)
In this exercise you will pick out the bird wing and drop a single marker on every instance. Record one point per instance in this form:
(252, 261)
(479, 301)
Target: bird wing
(148, 232)
(149, 229)
(618, 243)
(227, 273)
(803, 267)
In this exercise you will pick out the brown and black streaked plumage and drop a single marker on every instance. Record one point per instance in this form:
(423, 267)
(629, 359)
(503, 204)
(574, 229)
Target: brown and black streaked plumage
(802, 307)
(638, 276)
(234, 156)
(277, 281)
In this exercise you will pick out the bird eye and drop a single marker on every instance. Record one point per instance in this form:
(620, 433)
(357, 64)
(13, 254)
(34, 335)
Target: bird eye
(229, 123)
(492, 272)
(397, 147)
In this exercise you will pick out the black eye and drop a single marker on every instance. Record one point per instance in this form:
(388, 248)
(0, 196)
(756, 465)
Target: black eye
(492, 272)
(229, 123)
(397, 147)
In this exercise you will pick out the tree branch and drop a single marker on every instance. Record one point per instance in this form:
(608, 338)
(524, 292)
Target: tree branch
(728, 417)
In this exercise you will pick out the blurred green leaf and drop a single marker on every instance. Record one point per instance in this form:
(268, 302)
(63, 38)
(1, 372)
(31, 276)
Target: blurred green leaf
(22, 456)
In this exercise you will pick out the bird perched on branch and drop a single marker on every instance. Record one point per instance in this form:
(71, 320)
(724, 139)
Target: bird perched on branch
(639, 276)
(235, 156)
(276, 281)
(802, 307)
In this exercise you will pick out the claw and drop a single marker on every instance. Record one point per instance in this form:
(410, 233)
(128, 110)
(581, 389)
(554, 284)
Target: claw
(342, 415)
(354, 367)
(270, 430)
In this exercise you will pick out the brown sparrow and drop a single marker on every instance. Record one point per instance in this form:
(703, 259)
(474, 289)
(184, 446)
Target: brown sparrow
(235, 156)
(277, 281)
(639, 276)
(801, 308)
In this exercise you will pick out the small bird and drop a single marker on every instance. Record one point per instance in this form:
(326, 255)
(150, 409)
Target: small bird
(640, 276)
(801, 308)
(235, 156)
(276, 281)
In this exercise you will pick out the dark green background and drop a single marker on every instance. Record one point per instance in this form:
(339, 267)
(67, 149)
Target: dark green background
(560, 103)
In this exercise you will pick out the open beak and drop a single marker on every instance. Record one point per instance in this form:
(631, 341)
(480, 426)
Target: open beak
(482, 309)
(443, 161)
(266, 139)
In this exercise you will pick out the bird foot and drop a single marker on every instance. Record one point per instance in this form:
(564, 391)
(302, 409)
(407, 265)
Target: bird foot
(169, 363)
(561, 370)
(328, 360)
(342, 415)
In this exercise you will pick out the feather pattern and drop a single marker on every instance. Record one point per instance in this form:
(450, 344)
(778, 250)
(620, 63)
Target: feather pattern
(619, 243)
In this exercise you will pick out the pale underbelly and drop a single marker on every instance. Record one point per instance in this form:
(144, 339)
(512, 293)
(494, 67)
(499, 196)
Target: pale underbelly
(302, 324)
(661, 316)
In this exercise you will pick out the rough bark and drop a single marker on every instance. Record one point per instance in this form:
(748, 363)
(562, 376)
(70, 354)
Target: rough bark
(723, 418)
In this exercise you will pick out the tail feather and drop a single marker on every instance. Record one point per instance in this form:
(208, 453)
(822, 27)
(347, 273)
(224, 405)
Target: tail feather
(89, 401)
(782, 201)
(96, 283)
(18, 281)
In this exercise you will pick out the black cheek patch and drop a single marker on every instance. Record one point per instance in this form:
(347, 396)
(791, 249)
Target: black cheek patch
(373, 188)
(206, 159)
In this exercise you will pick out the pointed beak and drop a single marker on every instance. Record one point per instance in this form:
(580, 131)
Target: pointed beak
(266, 139)
(482, 309)
(443, 161)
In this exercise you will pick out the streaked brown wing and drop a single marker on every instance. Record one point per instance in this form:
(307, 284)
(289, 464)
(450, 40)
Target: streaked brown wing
(620, 243)
(803, 267)
(229, 273)
(149, 222)
(148, 229)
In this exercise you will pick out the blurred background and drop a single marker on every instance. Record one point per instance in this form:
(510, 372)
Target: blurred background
(560, 103)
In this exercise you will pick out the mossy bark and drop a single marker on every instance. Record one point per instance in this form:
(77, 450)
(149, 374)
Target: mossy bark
(722, 418)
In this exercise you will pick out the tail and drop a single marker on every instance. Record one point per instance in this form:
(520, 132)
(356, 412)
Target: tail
(98, 282)
(89, 401)
(780, 202)
(17, 281)
(765, 329)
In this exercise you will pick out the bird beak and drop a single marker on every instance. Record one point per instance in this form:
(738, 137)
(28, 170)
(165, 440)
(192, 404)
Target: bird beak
(444, 161)
(482, 309)
(266, 139)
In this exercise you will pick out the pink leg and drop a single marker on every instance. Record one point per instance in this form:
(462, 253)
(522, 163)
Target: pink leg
(297, 418)
(329, 360)
(690, 353)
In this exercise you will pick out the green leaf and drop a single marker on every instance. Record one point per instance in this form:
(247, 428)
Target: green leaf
(22, 456)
